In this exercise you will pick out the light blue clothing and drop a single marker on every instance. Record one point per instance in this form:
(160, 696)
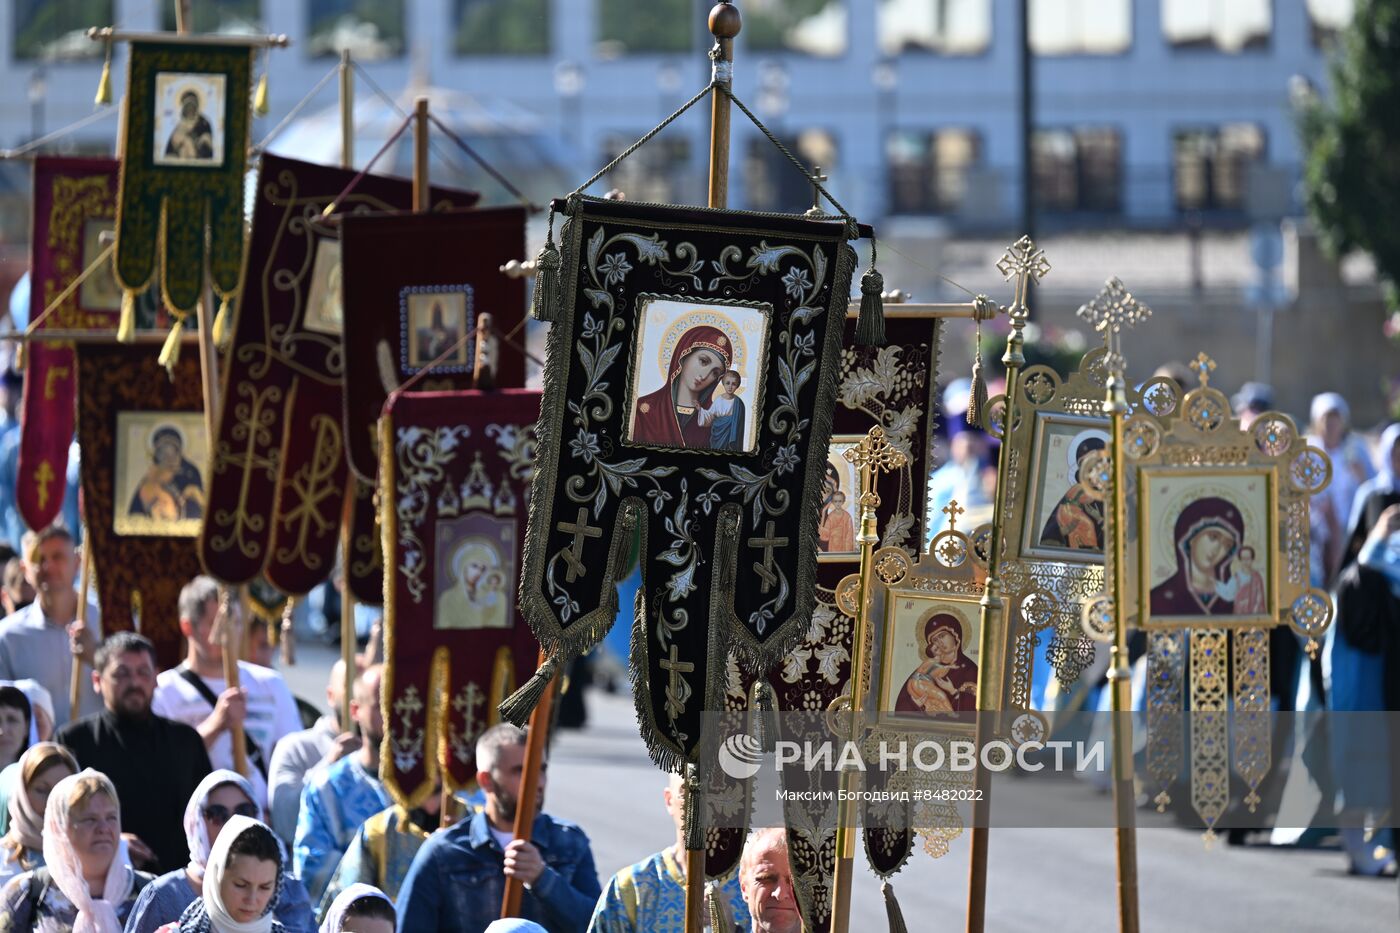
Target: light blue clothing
(334, 803)
(1383, 556)
(31, 647)
(953, 481)
(165, 899)
(649, 897)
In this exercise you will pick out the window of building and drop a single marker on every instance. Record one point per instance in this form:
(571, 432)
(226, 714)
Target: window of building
(1081, 27)
(659, 172)
(1326, 18)
(226, 16)
(370, 29)
(1077, 170)
(770, 180)
(1211, 166)
(50, 31)
(946, 27)
(1223, 25)
(813, 27)
(928, 170)
(501, 27)
(626, 27)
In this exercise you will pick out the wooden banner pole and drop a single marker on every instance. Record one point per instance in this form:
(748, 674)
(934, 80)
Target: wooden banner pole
(76, 684)
(535, 746)
(347, 111)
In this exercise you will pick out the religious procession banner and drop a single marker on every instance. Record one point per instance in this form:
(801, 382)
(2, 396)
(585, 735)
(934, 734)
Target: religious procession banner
(415, 286)
(893, 386)
(691, 378)
(145, 446)
(185, 134)
(455, 476)
(278, 484)
(75, 201)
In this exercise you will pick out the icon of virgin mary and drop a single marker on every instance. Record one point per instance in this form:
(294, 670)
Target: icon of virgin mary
(1208, 536)
(477, 597)
(946, 682)
(670, 416)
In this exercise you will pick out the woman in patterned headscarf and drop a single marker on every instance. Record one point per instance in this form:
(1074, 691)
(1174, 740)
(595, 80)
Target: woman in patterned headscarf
(87, 884)
(40, 770)
(669, 417)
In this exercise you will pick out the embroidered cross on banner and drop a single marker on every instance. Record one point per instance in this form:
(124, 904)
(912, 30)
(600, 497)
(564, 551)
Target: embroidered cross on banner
(764, 569)
(580, 529)
(675, 686)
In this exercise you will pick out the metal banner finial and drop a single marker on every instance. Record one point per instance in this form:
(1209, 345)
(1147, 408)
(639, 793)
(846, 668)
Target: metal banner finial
(1113, 309)
(1203, 367)
(1023, 258)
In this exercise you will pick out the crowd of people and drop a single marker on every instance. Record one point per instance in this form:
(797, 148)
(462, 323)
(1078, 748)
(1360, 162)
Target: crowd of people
(131, 816)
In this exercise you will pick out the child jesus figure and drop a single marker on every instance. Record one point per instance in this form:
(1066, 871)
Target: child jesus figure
(725, 416)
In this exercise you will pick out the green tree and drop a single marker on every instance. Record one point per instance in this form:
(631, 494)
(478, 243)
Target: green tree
(1352, 145)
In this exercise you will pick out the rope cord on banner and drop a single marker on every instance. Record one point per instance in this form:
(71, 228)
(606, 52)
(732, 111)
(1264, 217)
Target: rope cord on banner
(58, 134)
(486, 166)
(261, 146)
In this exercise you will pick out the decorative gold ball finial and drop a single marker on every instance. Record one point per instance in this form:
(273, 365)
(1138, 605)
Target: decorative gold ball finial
(725, 21)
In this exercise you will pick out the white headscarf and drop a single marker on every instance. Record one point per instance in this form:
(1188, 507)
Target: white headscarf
(1386, 480)
(195, 832)
(214, 868)
(61, 859)
(1324, 402)
(26, 823)
(335, 916)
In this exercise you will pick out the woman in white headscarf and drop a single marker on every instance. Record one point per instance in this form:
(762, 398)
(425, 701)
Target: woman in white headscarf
(220, 796)
(87, 884)
(1330, 418)
(240, 886)
(41, 767)
(360, 908)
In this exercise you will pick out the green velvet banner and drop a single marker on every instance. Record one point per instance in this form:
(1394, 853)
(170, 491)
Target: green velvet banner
(186, 144)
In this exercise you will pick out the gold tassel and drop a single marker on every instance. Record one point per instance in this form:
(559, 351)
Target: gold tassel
(260, 107)
(870, 325)
(893, 914)
(170, 352)
(223, 327)
(19, 358)
(977, 398)
(126, 324)
(762, 702)
(519, 705)
(716, 909)
(104, 83)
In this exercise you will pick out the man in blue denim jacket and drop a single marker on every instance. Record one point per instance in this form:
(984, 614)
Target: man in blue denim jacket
(458, 878)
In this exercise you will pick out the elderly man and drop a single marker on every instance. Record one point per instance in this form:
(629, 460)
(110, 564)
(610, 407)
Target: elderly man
(196, 693)
(306, 752)
(766, 880)
(458, 878)
(649, 897)
(155, 763)
(337, 800)
(39, 640)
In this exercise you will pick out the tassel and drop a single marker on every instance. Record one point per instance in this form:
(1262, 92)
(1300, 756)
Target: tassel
(762, 703)
(716, 909)
(104, 83)
(260, 107)
(545, 303)
(892, 911)
(19, 358)
(519, 705)
(126, 324)
(977, 398)
(223, 327)
(170, 352)
(870, 326)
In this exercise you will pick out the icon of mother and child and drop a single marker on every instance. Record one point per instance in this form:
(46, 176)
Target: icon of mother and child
(698, 407)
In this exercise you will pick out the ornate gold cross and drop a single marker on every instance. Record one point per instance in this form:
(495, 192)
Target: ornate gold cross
(1024, 260)
(872, 456)
(953, 510)
(1113, 309)
(1203, 367)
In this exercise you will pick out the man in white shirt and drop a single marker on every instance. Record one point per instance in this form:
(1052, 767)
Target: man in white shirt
(196, 693)
(38, 641)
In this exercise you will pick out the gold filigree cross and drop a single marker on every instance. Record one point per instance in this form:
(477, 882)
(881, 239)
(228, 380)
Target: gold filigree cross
(872, 456)
(1203, 366)
(1113, 310)
(1024, 260)
(953, 510)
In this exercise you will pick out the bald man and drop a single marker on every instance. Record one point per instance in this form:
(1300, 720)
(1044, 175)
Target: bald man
(336, 801)
(301, 754)
(765, 877)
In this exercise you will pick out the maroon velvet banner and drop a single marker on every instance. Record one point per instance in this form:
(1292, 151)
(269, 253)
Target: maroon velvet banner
(455, 483)
(414, 286)
(279, 478)
(75, 201)
(144, 444)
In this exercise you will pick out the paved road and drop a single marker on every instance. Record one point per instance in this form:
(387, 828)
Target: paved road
(1040, 881)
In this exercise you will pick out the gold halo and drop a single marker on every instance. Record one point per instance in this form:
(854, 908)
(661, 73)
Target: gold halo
(963, 623)
(473, 542)
(713, 318)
